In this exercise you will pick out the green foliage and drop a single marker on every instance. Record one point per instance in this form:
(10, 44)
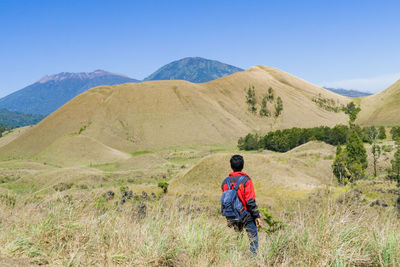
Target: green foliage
(251, 99)
(62, 186)
(249, 142)
(82, 129)
(387, 148)
(4, 128)
(270, 95)
(382, 133)
(264, 112)
(368, 134)
(142, 152)
(395, 132)
(376, 153)
(8, 200)
(395, 172)
(287, 139)
(278, 106)
(339, 166)
(100, 203)
(272, 224)
(328, 104)
(356, 160)
(163, 186)
(11, 119)
(352, 110)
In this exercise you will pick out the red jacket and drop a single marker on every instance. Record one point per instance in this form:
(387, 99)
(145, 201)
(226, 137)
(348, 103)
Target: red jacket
(245, 192)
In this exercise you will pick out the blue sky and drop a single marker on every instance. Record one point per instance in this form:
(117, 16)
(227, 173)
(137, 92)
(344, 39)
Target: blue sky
(351, 44)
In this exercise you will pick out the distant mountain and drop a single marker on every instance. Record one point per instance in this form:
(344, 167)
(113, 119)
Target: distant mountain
(17, 119)
(51, 92)
(346, 92)
(193, 69)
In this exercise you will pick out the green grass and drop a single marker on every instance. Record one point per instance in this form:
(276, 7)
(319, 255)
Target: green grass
(107, 167)
(142, 152)
(20, 188)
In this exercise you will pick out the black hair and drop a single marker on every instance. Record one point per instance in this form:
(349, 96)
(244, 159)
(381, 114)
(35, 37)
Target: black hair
(237, 163)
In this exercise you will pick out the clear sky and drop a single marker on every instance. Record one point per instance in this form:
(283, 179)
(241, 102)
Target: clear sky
(350, 44)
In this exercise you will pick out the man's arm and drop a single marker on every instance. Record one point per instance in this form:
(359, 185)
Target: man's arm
(250, 198)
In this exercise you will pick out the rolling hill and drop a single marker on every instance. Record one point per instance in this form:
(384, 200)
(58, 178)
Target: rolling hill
(107, 123)
(382, 108)
(193, 69)
(51, 92)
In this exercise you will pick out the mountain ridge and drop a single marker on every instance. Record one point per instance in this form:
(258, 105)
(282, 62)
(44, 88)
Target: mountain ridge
(348, 92)
(193, 69)
(52, 91)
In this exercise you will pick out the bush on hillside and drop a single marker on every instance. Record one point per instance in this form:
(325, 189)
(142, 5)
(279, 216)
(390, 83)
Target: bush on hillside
(395, 132)
(287, 139)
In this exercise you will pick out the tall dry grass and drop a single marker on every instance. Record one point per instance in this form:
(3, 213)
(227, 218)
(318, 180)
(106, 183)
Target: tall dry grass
(83, 231)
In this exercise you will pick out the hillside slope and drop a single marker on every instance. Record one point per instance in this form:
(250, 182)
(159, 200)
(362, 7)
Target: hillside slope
(157, 114)
(276, 176)
(382, 108)
(193, 69)
(51, 92)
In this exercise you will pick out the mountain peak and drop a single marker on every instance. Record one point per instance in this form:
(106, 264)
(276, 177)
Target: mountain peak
(75, 75)
(193, 69)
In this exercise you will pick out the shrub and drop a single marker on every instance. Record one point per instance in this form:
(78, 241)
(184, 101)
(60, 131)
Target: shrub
(163, 186)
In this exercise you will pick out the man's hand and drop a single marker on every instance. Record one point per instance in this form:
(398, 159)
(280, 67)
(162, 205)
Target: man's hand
(259, 222)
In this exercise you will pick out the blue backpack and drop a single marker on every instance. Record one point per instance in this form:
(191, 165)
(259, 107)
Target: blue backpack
(231, 206)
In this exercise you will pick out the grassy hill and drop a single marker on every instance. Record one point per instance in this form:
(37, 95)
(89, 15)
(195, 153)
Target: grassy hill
(116, 120)
(382, 108)
(193, 69)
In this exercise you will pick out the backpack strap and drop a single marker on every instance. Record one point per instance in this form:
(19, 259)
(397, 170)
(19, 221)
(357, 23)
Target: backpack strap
(238, 183)
(228, 182)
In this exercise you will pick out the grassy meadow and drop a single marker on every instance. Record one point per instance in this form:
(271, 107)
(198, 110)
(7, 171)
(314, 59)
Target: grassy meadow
(86, 216)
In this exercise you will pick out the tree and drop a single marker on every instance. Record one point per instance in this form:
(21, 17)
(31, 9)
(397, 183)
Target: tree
(251, 99)
(396, 164)
(376, 153)
(264, 112)
(339, 166)
(395, 131)
(382, 133)
(352, 110)
(278, 106)
(270, 95)
(356, 160)
(249, 142)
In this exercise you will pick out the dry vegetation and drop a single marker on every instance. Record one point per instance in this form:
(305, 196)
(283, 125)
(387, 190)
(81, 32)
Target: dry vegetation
(64, 216)
(81, 230)
(382, 108)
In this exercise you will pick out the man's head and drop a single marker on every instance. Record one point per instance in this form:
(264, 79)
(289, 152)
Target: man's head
(237, 163)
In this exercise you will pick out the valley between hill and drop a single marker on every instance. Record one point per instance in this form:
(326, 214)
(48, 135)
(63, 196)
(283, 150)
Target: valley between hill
(91, 177)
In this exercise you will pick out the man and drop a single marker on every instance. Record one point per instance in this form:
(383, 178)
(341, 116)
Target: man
(247, 196)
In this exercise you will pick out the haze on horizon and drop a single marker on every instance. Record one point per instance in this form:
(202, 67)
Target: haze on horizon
(347, 44)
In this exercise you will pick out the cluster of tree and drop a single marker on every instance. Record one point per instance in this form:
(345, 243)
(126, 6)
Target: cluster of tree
(328, 104)
(287, 139)
(394, 171)
(4, 128)
(350, 162)
(269, 97)
(369, 134)
(18, 119)
(395, 132)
